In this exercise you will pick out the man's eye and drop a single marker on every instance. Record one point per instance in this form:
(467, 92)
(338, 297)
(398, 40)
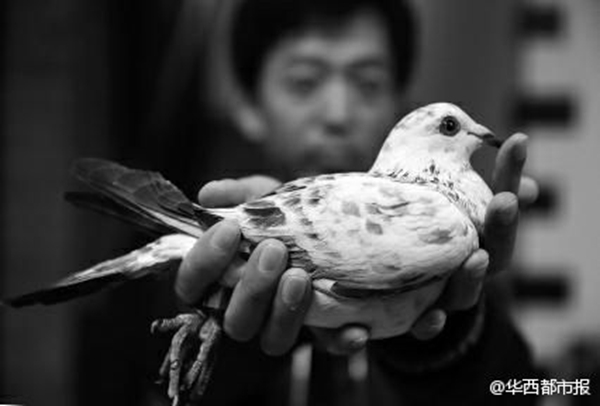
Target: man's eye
(302, 86)
(369, 87)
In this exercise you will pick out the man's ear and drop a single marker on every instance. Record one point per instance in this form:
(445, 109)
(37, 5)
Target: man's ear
(251, 122)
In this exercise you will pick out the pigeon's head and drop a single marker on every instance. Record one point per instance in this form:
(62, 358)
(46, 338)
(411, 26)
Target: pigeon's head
(440, 131)
(443, 126)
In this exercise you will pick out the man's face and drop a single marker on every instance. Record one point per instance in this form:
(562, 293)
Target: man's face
(327, 97)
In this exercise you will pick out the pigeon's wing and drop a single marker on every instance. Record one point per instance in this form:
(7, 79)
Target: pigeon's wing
(140, 197)
(271, 216)
(141, 194)
(105, 205)
(155, 257)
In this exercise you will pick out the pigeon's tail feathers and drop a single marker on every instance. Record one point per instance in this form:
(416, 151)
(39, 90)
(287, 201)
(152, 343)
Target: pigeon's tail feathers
(156, 257)
(144, 195)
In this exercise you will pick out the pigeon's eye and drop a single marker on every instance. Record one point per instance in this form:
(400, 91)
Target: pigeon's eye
(449, 126)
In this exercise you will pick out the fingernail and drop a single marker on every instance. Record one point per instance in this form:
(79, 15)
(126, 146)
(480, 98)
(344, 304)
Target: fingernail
(505, 209)
(271, 258)
(205, 193)
(438, 319)
(520, 153)
(211, 184)
(225, 235)
(358, 342)
(293, 291)
(511, 212)
(219, 182)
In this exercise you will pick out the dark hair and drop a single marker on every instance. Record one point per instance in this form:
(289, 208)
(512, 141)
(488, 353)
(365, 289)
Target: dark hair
(258, 25)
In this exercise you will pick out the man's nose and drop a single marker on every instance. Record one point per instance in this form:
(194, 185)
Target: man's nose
(337, 108)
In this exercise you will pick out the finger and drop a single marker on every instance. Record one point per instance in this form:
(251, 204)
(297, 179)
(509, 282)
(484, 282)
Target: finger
(500, 230)
(259, 185)
(465, 285)
(287, 316)
(207, 261)
(231, 192)
(509, 164)
(529, 191)
(429, 325)
(342, 341)
(222, 193)
(252, 297)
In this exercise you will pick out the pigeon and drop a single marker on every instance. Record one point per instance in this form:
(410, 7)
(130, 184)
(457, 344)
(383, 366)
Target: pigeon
(379, 246)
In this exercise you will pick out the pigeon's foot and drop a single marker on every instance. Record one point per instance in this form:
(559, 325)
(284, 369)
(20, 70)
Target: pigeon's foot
(190, 360)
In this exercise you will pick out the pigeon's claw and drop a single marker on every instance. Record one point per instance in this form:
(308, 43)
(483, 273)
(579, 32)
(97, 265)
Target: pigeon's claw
(194, 332)
(199, 373)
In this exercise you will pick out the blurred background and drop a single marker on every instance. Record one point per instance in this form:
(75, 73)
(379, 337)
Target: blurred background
(140, 82)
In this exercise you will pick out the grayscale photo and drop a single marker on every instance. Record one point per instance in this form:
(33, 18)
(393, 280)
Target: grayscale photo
(299, 202)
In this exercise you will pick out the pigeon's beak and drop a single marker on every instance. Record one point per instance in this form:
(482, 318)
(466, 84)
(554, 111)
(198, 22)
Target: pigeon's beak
(486, 136)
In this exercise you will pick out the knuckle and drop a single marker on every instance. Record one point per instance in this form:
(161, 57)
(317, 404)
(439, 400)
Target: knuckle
(257, 289)
(256, 294)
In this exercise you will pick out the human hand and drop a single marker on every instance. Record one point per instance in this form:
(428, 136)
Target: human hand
(465, 285)
(258, 308)
(269, 301)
